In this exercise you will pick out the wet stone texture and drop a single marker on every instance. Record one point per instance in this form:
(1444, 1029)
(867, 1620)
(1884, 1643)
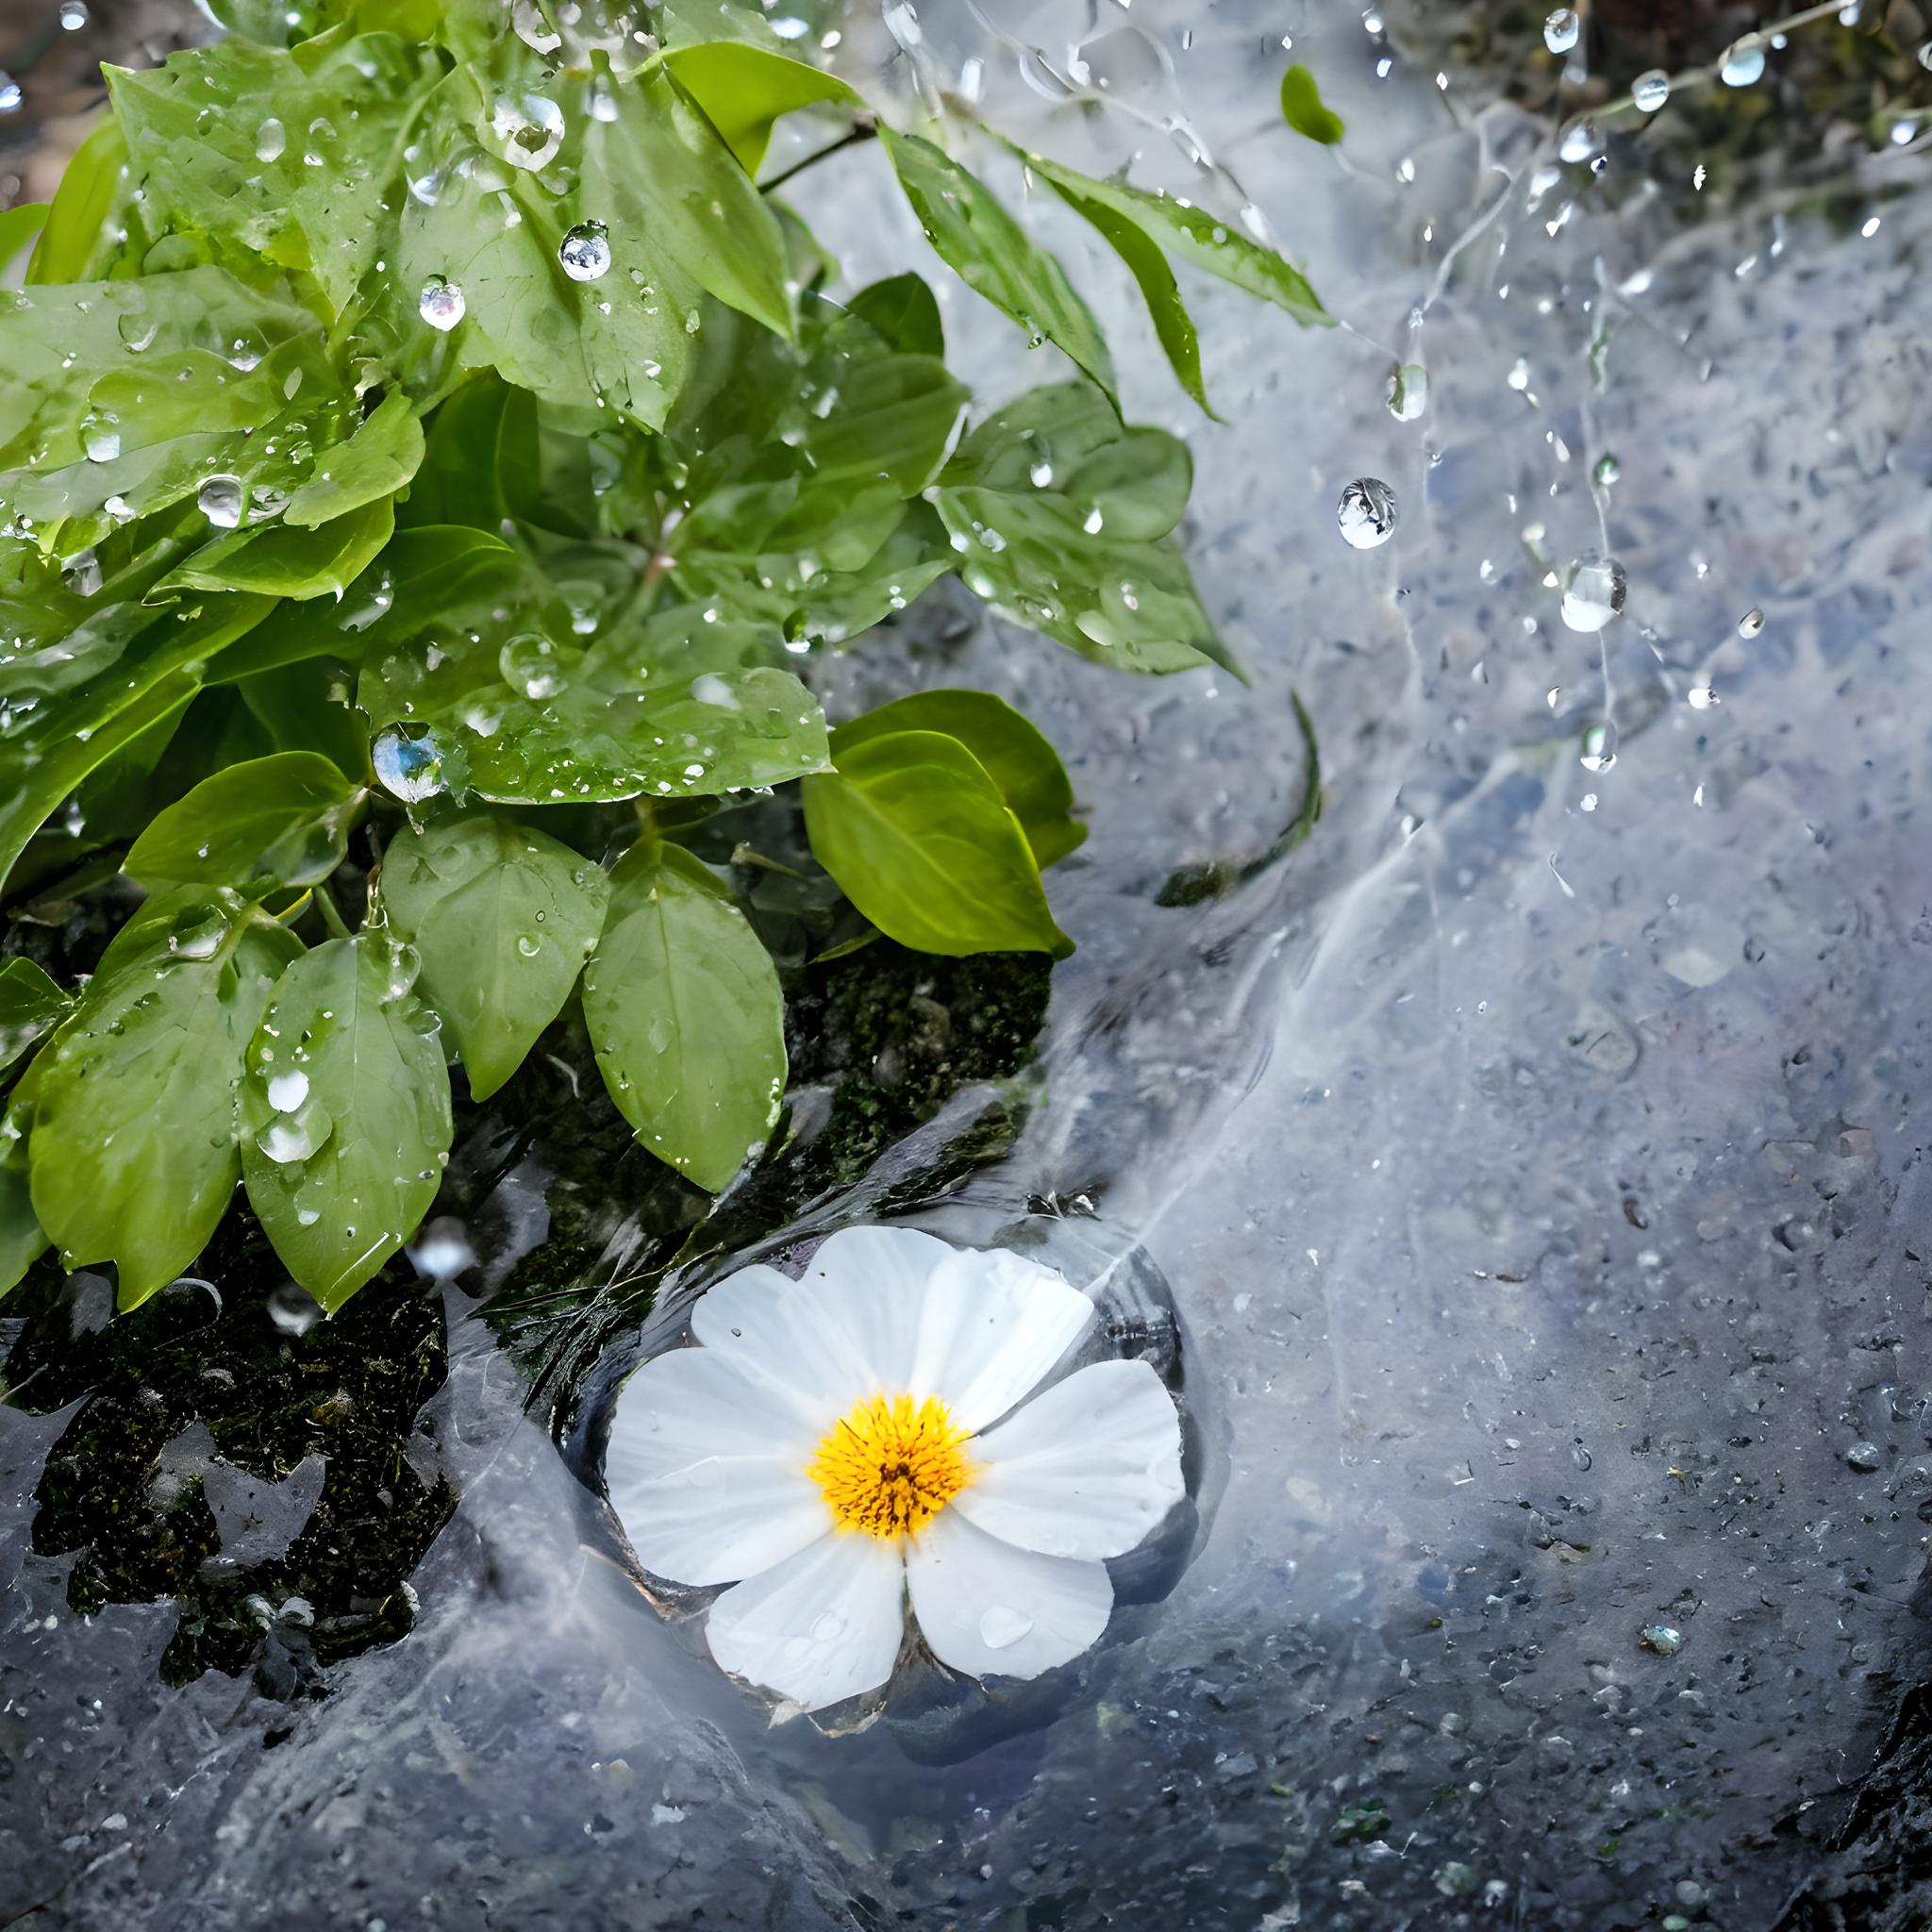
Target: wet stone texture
(1532, 1150)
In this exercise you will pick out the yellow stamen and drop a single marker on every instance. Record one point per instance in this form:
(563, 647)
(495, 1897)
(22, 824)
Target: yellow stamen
(892, 1464)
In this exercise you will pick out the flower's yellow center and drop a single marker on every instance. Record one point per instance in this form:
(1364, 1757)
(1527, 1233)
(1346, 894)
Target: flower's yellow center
(892, 1464)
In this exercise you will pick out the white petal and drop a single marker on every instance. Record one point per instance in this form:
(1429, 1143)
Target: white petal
(819, 1628)
(691, 1406)
(976, 1329)
(992, 1610)
(1086, 1469)
(722, 1520)
(761, 1321)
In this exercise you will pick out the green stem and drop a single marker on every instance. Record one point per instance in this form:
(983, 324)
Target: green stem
(331, 918)
(863, 129)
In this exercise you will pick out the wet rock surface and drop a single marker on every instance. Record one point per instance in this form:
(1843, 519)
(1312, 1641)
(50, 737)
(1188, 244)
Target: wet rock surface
(1531, 1145)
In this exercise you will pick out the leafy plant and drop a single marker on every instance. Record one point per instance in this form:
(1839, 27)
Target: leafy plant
(430, 463)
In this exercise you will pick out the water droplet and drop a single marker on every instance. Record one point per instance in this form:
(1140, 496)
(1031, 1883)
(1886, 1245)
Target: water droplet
(1751, 624)
(1408, 392)
(9, 94)
(287, 1092)
(529, 945)
(530, 663)
(442, 1256)
(528, 128)
(1651, 89)
(219, 498)
(1925, 56)
(1607, 469)
(1578, 143)
(1561, 30)
(1701, 697)
(271, 138)
(442, 304)
(1743, 62)
(293, 1309)
(100, 440)
(292, 1138)
(827, 1626)
(585, 252)
(1366, 513)
(1002, 1626)
(1593, 592)
(535, 32)
(82, 574)
(73, 15)
(408, 767)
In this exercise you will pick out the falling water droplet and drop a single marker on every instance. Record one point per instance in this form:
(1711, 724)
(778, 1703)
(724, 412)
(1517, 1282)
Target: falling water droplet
(442, 304)
(1408, 392)
(1593, 592)
(1561, 30)
(219, 498)
(1751, 624)
(73, 15)
(1607, 469)
(1002, 1626)
(1578, 143)
(408, 768)
(585, 252)
(1925, 56)
(1366, 513)
(10, 96)
(1651, 89)
(1701, 697)
(1743, 62)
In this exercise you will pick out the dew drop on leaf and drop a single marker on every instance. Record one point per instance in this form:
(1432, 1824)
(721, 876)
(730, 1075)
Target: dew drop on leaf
(407, 768)
(219, 498)
(271, 138)
(585, 252)
(442, 304)
(1651, 89)
(1593, 592)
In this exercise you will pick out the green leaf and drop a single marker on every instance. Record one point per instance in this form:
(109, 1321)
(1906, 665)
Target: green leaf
(30, 1003)
(922, 842)
(678, 707)
(483, 460)
(377, 461)
(1301, 107)
(424, 578)
(684, 1010)
(306, 706)
(1082, 554)
(504, 918)
(76, 242)
(993, 254)
(22, 1239)
(902, 310)
(132, 666)
(345, 1113)
(282, 818)
(1173, 325)
(1195, 235)
(281, 562)
(1015, 755)
(19, 225)
(745, 89)
(133, 1144)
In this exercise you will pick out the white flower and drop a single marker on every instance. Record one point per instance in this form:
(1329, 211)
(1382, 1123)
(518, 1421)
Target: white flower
(845, 1442)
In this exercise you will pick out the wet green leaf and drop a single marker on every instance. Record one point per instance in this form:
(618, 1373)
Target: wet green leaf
(1135, 246)
(305, 707)
(1064, 515)
(684, 1010)
(1303, 108)
(283, 817)
(133, 1144)
(377, 461)
(1015, 755)
(993, 254)
(22, 1239)
(504, 918)
(483, 460)
(745, 89)
(78, 241)
(280, 561)
(1195, 235)
(19, 225)
(30, 1003)
(423, 577)
(345, 1113)
(676, 707)
(904, 311)
(921, 839)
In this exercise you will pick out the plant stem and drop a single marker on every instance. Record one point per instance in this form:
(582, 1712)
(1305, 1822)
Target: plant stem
(863, 129)
(331, 917)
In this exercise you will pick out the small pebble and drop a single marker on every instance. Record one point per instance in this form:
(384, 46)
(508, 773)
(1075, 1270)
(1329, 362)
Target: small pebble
(1865, 1455)
(1662, 1638)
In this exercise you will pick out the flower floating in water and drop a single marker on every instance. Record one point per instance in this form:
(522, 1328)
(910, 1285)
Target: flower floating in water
(841, 1444)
